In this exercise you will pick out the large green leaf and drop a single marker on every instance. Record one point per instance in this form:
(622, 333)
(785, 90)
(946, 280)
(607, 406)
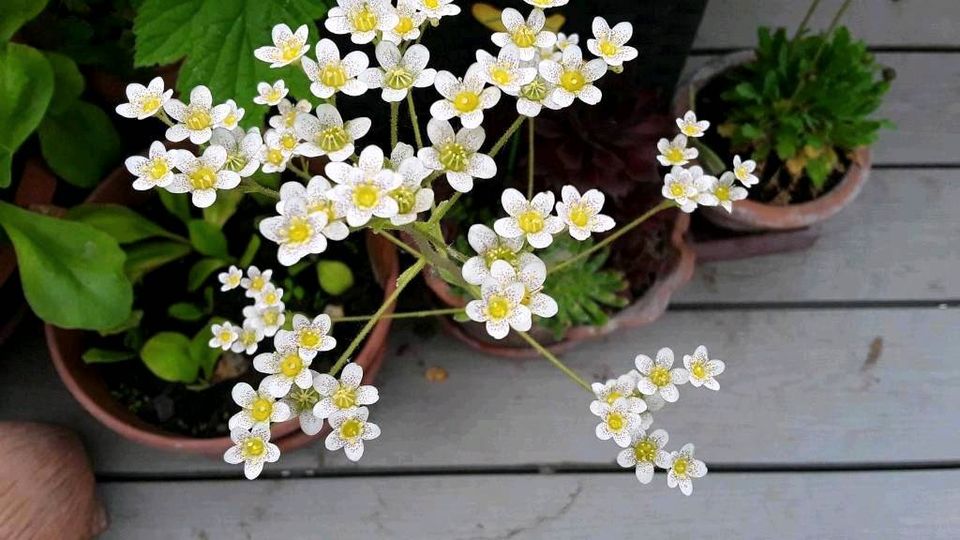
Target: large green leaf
(162, 29)
(80, 144)
(148, 256)
(72, 273)
(17, 12)
(201, 270)
(169, 357)
(120, 222)
(67, 81)
(26, 85)
(208, 239)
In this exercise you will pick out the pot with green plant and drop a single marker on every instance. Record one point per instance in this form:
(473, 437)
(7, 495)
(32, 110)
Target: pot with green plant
(795, 118)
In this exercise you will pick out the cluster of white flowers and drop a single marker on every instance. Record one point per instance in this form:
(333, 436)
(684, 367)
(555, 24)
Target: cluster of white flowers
(624, 406)
(690, 187)
(261, 319)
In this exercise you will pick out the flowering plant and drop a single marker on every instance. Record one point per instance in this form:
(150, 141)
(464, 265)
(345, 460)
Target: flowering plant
(391, 193)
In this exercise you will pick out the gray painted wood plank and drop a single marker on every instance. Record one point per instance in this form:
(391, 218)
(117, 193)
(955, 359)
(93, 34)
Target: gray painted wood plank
(869, 505)
(900, 240)
(924, 103)
(733, 23)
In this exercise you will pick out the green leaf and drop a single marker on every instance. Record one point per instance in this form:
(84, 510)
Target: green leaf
(162, 29)
(201, 270)
(208, 239)
(72, 273)
(62, 140)
(26, 86)
(146, 257)
(169, 357)
(335, 277)
(120, 222)
(104, 356)
(177, 204)
(250, 252)
(133, 321)
(67, 82)
(223, 208)
(16, 13)
(185, 311)
(202, 353)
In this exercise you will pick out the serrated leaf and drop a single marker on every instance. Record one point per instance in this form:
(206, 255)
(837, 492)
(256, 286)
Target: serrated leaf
(26, 86)
(120, 222)
(61, 136)
(162, 29)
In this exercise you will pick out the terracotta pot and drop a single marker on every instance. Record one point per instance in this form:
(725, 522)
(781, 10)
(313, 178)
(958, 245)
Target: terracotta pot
(644, 310)
(67, 346)
(750, 215)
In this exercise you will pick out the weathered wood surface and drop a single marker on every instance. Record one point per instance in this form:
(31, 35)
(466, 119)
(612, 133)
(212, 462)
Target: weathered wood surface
(900, 240)
(887, 23)
(924, 103)
(868, 505)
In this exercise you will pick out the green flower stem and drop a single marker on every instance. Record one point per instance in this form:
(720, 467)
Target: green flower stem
(249, 185)
(506, 136)
(395, 123)
(400, 244)
(530, 160)
(436, 256)
(302, 173)
(418, 137)
(405, 278)
(556, 361)
(162, 116)
(613, 237)
(806, 19)
(405, 315)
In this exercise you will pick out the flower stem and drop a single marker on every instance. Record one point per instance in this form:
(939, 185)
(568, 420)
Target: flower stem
(400, 244)
(406, 315)
(405, 278)
(162, 116)
(302, 173)
(613, 237)
(556, 361)
(418, 137)
(249, 185)
(806, 19)
(395, 122)
(506, 136)
(530, 160)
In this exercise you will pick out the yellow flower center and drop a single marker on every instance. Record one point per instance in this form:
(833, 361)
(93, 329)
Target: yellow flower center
(351, 429)
(615, 422)
(398, 79)
(303, 398)
(741, 173)
(291, 365)
(405, 25)
(290, 118)
(203, 177)
(197, 119)
(645, 450)
(158, 169)
(225, 336)
(454, 157)
(288, 141)
(270, 298)
(579, 215)
(273, 95)
(309, 339)
(500, 75)
(236, 161)
(248, 337)
(333, 75)
(680, 466)
(431, 4)
(271, 317)
(722, 193)
(344, 398)
(536, 91)
(691, 130)
(275, 157)
(364, 20)
(674, 155)
(530, 222)
(324, 206)
(677, 190)
(498, 307)
(524, 37)
(500, 253)
(257, 283)
(466, 101)
(233, 280)
(290, 50)
(612, 397)
(608, 48)
(150, 104)
(254, 447)
(572, 81)
(230, 120)
(261, 409)
(405, 199)
(332, 139)
(366, 196)
(660, 376)
(699, 370)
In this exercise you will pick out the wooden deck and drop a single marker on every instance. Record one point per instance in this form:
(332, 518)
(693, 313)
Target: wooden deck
(837, 416)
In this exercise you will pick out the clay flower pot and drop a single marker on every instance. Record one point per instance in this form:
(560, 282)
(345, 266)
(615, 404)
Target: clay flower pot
(751, 215)
(642, 311)
(67, 346)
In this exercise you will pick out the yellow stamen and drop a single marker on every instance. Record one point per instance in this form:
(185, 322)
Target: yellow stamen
(680, 466)
(290, 50)
(344, 398)
(660, 376)
(608, 48)
(288, 140)
(466, 101)
(351, 429)
(261, 409)
(333, 75)
(404, 26)
(572, 81)
(203, 177)
(398, 79)
(291, 365)
(615, 422)
(366, 196)
(531, 222)
(254, 447)
(197, 120)
(675, 155)
(150, 104)
(500, 75)
(645, 450)
(158, 169)
(364, 20)
(498, 307)
(524, 37)
(579, 215)
(309, 339)
(454, 157)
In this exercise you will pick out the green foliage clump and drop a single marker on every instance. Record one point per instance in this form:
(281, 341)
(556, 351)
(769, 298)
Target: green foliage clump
(804, 99)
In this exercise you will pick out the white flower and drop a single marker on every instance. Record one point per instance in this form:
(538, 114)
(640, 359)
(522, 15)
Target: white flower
(401, 152)
(144, 101)
(253, 449)
(243, 149)
(268, 94)
(544, 4)
(726, 192)
(308, 336)
(203, 176)
(643, 453)
(223, 336)
(326, 134)
(617, 421)
(702, 369)
(344, 394)
(675, 152)
(573, 77)
(412, 198)
(437, 9)
(526, 36)
(250, 337)
(610, 43)
(614, 390)
(287, 47)
(582, 214)
(268, 320)
(491, 248)
(298, 231)
(688, 188)
(348, 431)
(316, 195)
(197, 119)
(258, 408)
(270, 296)
(364, 189)
(301, 402)
(501, 308)
(465, 98)
(278, 147)
(284, 367)
(743, 170)
(361, 19)
(331, 74)
(536, 95)
(233, 117)
(230, 279)
(531, 276)
(505, 71)
(658, 377)
(255, 281)
(398, 74)
(289, 112)
(157, 169)
(457, 154)
(528, 219)
(408, 27)
(682, 468)
(690, 126)
(564, 41)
